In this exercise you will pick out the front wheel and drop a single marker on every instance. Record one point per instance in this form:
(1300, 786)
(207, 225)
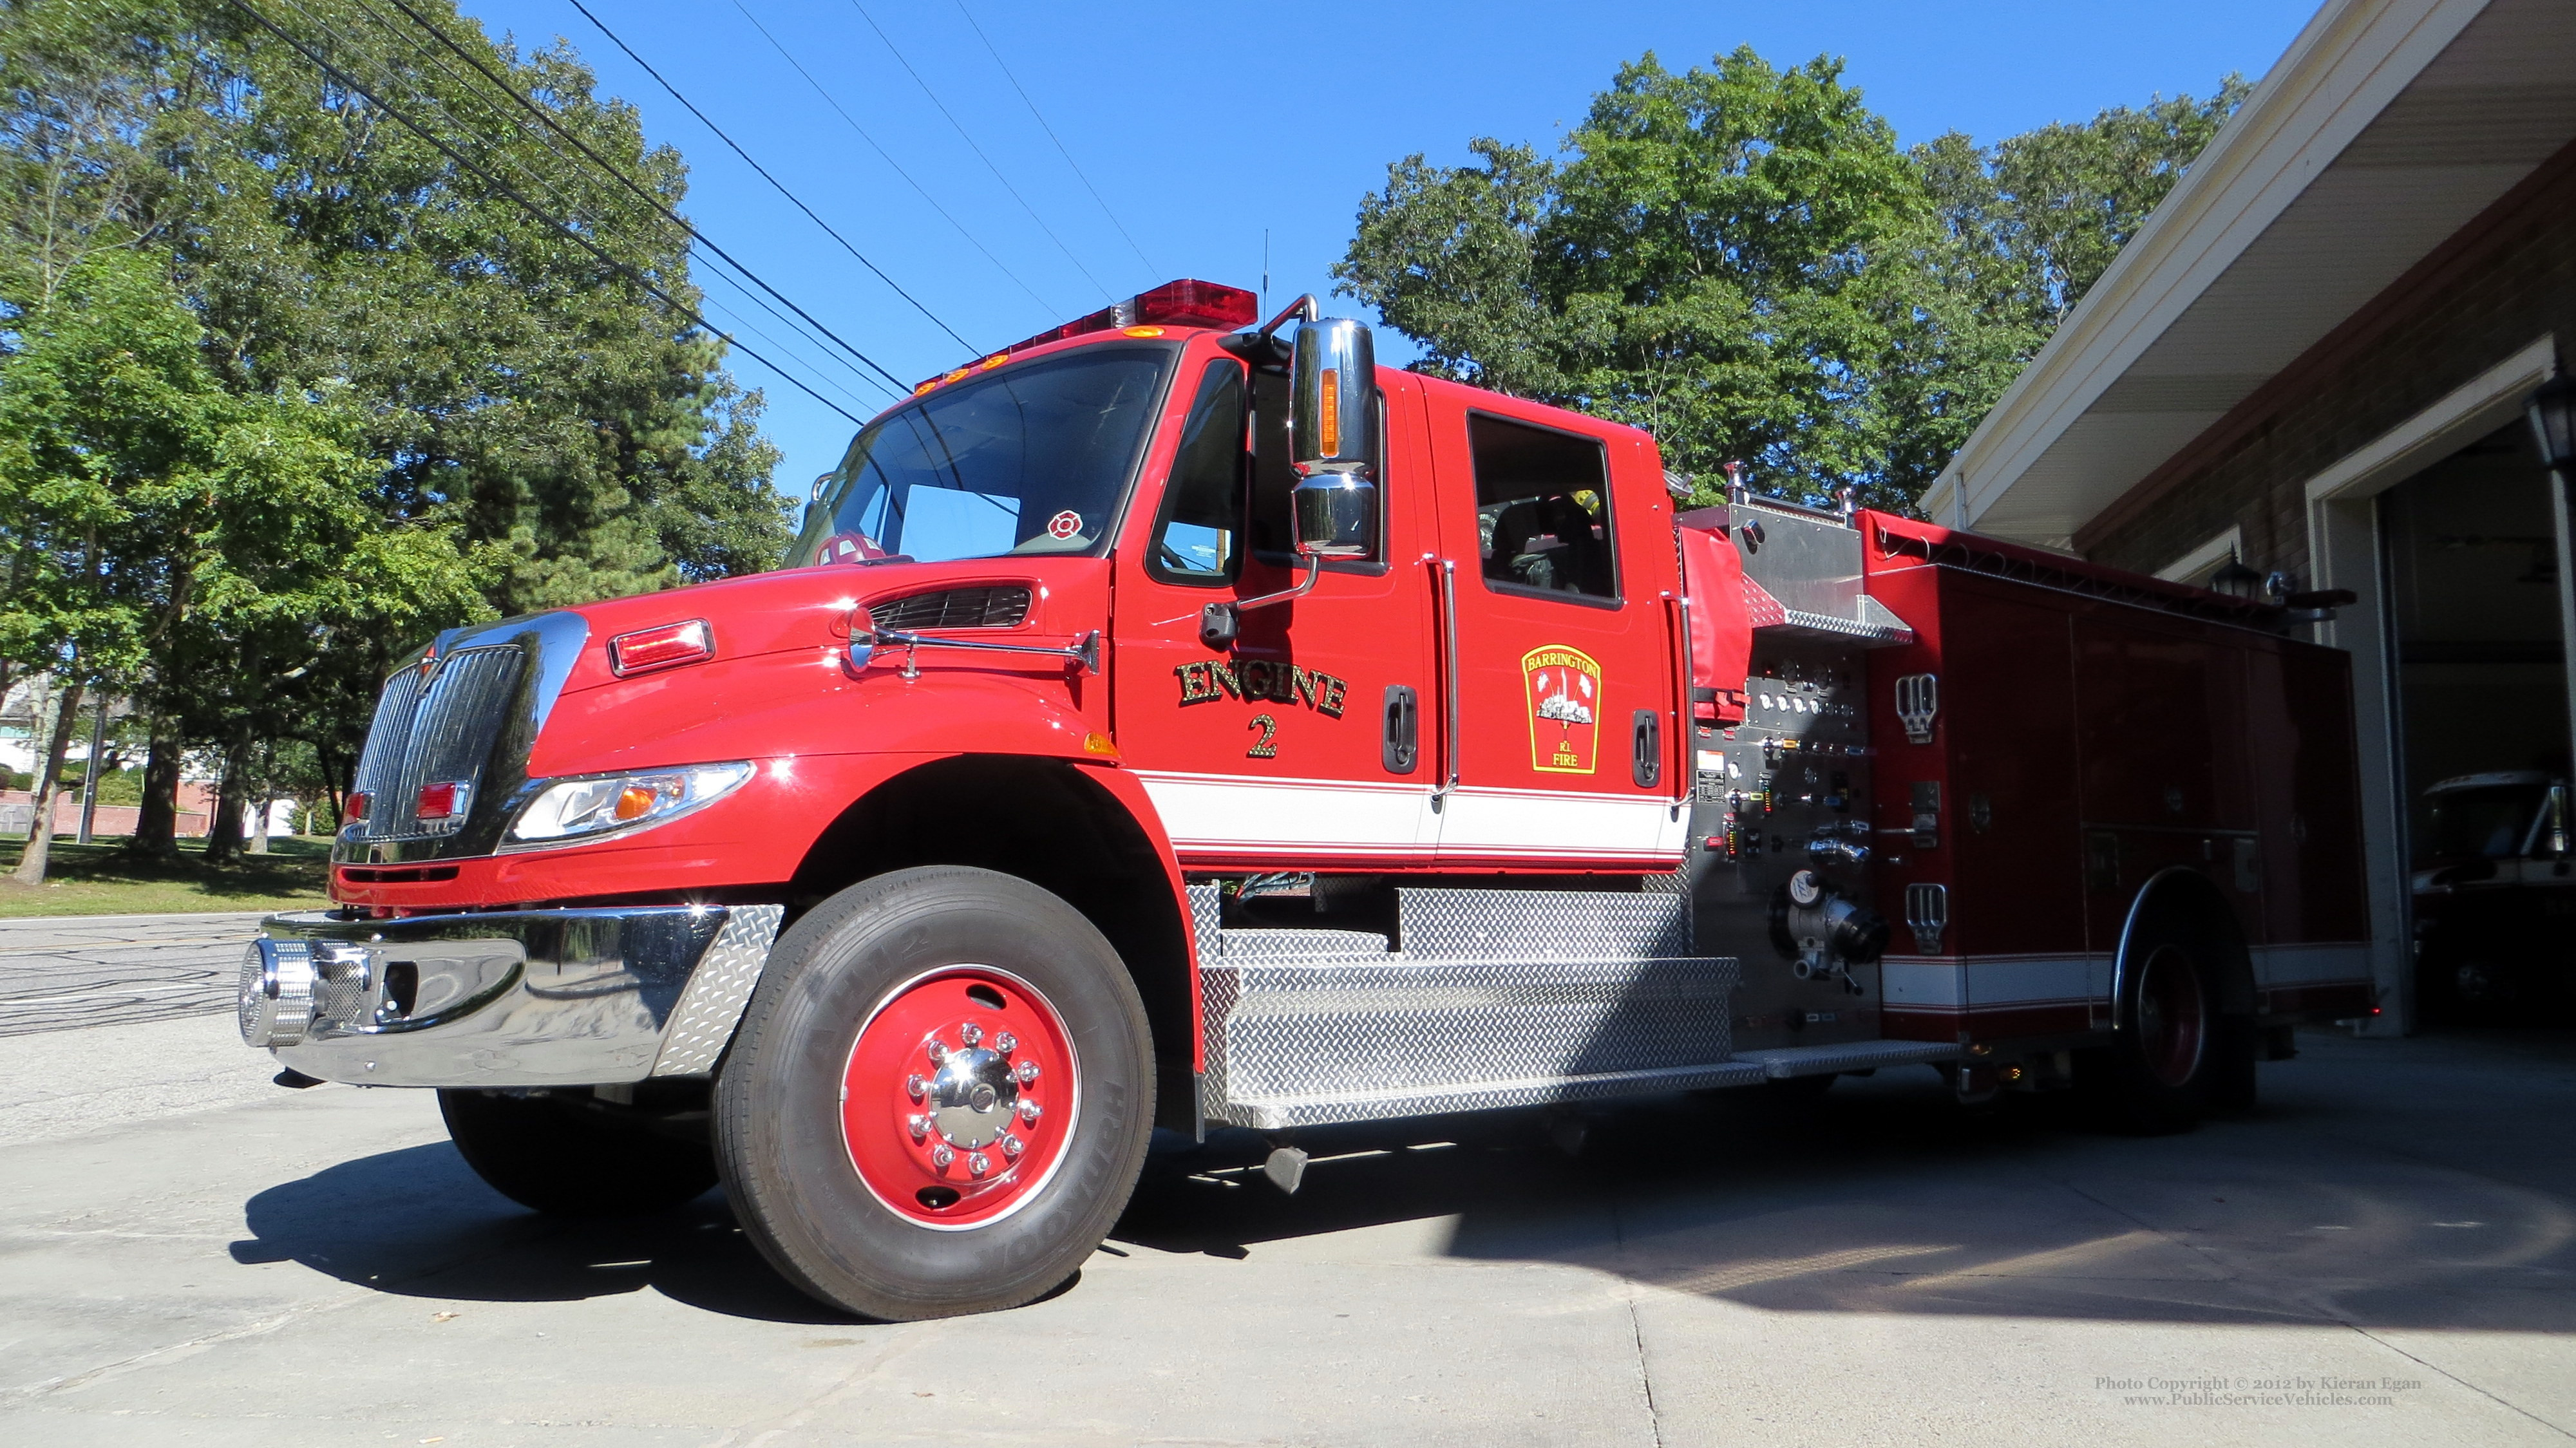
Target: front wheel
(559, 1154)
(940, 1097)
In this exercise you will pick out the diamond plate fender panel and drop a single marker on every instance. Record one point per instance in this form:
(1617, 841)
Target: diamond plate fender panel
(718, 989)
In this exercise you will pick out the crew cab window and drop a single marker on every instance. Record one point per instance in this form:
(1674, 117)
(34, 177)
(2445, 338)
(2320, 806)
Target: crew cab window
(1199, 537)
(1542, 509)
(1032, 458)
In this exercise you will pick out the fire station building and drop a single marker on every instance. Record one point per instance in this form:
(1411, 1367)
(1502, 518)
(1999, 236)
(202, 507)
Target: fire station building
(2320, 366)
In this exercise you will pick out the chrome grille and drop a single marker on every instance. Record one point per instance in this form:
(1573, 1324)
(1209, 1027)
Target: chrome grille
(443, 733)
(999, 606)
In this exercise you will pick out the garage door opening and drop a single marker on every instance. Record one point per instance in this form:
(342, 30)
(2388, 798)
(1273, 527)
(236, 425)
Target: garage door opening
(2470, 548)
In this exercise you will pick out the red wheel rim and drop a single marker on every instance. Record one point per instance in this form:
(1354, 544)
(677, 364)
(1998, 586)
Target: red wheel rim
(2172, 1017)
(959, 1098)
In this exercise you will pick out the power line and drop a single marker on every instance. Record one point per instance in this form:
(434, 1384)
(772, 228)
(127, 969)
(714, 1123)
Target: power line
(821, 374)
(1026, 100)
(789, 56)
(649, 197)
(781, 186)
(513, 194)
(971, 145)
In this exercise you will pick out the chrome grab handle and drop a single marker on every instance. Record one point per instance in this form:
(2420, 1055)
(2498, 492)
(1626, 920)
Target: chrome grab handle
(1083, 652)
(1448, 605)
(1686, 689)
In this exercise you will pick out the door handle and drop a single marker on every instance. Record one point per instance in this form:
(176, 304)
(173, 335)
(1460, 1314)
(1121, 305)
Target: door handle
(1401, 747)
(1646, 757)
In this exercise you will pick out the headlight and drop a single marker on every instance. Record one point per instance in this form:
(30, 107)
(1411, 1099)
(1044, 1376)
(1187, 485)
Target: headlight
(586, 808)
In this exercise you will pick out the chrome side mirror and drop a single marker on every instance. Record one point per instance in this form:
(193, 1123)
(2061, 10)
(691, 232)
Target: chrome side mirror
(1332, 426)
(1332, 409)
(1336, 516)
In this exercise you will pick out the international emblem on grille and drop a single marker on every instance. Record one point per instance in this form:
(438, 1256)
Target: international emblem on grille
(1565, 708)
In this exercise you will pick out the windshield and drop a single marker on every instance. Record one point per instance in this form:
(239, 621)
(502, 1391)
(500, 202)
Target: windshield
(1032, 459)
(2492, 822)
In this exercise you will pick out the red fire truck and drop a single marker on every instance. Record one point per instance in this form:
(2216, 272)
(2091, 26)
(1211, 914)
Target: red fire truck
(1168, 721)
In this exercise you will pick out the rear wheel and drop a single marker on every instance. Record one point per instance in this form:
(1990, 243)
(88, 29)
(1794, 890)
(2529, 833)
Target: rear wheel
(2175, 1053)
(557, 1153)
(940, 1097)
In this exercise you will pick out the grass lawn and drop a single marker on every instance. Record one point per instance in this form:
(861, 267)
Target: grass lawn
(101, 879)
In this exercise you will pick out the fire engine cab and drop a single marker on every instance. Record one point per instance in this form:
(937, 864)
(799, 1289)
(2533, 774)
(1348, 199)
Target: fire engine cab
(1168, 721)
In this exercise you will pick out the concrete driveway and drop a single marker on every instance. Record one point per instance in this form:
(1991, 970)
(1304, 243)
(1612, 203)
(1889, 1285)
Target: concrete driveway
(2385, 1254)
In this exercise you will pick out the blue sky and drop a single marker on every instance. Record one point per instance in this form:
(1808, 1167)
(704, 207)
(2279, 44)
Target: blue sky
(1204, 125)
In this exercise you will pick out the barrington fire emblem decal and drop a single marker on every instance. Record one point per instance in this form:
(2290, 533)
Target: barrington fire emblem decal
(1565, 708)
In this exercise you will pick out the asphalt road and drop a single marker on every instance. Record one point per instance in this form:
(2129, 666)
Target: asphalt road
(2384, 1254)
(89, 970)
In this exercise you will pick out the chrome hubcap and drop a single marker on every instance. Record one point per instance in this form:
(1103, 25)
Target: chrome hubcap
(974, 1094)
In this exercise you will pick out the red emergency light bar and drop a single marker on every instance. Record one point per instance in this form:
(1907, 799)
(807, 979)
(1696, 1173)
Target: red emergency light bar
(1183, 303)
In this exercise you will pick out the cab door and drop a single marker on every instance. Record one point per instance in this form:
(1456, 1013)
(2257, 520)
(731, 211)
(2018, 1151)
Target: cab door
(1300, 747)
(1560, 589)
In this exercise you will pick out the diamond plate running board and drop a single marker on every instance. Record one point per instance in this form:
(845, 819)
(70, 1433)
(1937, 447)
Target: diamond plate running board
(1788, 1061)
(1496, 998)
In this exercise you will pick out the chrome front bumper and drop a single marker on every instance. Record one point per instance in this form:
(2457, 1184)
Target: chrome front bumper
(517, 998)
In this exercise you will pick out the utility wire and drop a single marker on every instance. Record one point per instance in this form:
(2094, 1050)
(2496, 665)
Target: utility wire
(823, 375)
(971, 145)
(888, 158)
(1026, 100)
(781, 186)
(713, 269)
(512, 193)
(646, 194)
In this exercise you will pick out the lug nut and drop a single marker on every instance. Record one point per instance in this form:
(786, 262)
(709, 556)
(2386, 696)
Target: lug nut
(1006, 1043)
(941, 1156)
(978, 1163)
(1029, 1112)
(937, 1048)
(970, 1033)
(920, 1127)
(1028, 1072)
(1010, 1145)
(914, 1086)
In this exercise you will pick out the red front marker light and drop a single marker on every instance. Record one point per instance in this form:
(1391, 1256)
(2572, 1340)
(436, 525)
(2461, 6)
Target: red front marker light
(353, 810)
(666, 647)
(440, 801)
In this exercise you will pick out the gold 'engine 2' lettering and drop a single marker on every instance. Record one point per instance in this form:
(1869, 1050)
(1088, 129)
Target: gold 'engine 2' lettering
(1260, 680)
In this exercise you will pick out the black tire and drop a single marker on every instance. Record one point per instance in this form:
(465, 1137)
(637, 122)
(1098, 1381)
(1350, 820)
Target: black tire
(2177, 1052)
(557, 1155)
(780, 1141)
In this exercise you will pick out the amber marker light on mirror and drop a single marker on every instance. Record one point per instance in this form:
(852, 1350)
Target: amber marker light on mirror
(1328, 417)
(668, 646)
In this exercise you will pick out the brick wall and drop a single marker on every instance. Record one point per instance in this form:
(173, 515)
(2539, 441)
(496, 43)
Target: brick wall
(2501, 281)
(17, 806)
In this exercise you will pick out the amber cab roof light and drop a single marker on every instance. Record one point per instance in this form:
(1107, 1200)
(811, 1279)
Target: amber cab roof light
(1183, 303)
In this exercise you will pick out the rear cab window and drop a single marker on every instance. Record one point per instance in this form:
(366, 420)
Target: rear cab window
(1543, 519)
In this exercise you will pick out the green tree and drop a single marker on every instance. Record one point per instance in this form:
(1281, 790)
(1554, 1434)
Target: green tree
(162, 522)
(1723, 257)
(1742, 260)
(409, 355)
